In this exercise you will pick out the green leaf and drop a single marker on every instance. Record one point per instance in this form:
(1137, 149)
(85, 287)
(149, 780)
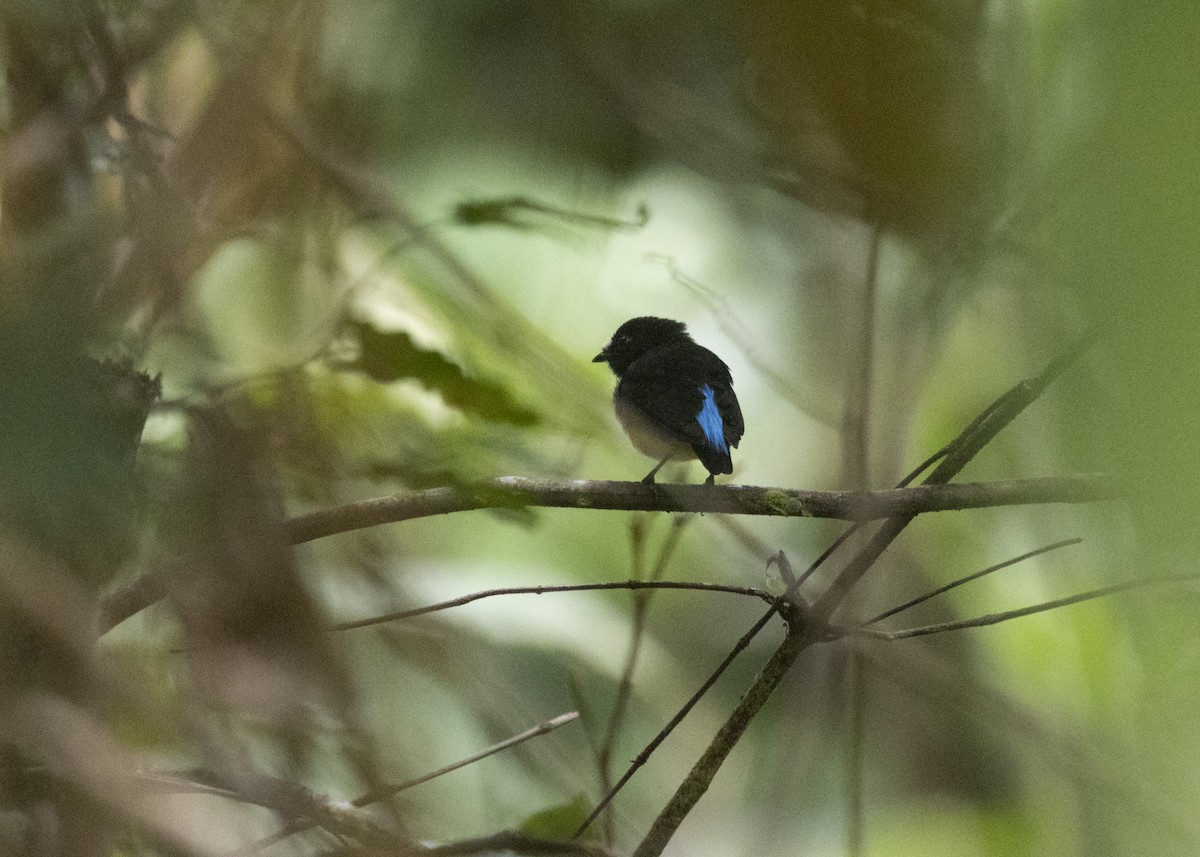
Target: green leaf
(558, 822)
(388, 356)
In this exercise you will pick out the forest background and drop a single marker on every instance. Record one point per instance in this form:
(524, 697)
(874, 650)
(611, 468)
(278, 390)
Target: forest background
(267, 259)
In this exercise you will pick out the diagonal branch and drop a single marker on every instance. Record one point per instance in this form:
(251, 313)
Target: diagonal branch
(808, 625)
(997, 618)
(340, 809)
(800, 635)
(954, 584)
(647, 751)
(981, 431)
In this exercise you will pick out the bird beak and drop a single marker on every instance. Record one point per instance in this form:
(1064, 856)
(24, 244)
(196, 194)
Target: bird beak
(602, 356)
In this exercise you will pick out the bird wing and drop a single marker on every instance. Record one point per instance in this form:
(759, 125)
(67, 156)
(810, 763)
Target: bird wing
(731, 413)
(685, 391)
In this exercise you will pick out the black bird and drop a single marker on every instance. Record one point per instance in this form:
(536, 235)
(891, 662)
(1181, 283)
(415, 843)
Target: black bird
(674, 398)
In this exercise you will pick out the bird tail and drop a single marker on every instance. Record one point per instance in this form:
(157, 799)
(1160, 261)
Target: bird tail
(715, 460)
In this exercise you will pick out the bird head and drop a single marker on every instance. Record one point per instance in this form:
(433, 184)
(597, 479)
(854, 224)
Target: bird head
(637, 336)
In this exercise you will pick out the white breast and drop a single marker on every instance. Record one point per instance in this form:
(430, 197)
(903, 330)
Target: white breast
(647, 438)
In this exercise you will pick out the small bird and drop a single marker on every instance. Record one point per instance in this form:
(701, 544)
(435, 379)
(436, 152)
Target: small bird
(674, 398)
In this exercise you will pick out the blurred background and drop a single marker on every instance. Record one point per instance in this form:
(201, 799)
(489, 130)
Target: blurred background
(265, 257)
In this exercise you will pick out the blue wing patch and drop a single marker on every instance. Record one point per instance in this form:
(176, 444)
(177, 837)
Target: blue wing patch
(711, 422)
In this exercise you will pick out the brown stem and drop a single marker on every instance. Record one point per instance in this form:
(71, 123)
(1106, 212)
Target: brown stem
(701, 776)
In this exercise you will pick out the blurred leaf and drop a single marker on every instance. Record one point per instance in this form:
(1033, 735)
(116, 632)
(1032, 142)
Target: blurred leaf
(509, 211)
(254, 630)
(392, 355)
(558, 822)
(897, 112)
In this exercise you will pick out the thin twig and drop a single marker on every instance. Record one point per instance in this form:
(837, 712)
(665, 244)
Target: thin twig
(809, 627)
(696, 784)
(826, 554)
(543, 590)
(678, 717)
(921, 599)
(997, 618)
(792, 596)
(856, 412)
(541, 729)
(856, 526)
(387, 791)
(641, 609)
(970, 441)
(923, 466)
(855, 755)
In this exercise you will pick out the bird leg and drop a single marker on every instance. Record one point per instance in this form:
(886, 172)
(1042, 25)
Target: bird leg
(648, 479)
(712, 477)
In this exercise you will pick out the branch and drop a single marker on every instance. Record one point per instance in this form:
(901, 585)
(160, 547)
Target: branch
(997, 618)
(951, 459)
(637, 634)
(516, 491)
(337, 810)
(647, 751)
(340, 817)
(462, 600)
(508, 492)
(954, 584)
(978, 434)
(800, 635)
(861, 356)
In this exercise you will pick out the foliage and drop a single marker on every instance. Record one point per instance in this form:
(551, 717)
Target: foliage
(264, 261)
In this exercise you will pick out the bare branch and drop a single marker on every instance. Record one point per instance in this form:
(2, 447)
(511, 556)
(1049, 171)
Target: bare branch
(860, 357)
(805, 631)
(517, 491)
(978, 434)
(637, 632)
(921, 599)
(679, 715)
(997, 618)
(696, 784)
(521, 737)
(542, 590)
(340, 809)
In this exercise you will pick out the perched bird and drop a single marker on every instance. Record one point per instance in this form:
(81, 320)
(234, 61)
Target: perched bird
(674, 398)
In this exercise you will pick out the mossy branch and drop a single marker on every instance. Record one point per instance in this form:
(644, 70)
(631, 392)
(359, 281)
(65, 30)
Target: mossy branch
(520, 492)
(508, 492)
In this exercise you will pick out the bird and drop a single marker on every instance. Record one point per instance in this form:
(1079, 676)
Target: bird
(674, 398)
